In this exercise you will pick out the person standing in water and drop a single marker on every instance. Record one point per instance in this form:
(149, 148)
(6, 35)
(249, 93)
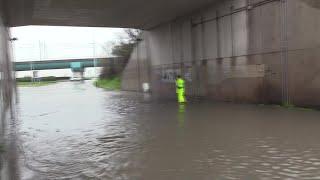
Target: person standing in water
(180, 89)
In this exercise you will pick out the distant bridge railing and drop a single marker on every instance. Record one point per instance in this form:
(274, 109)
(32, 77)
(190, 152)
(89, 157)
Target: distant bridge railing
(74, 64)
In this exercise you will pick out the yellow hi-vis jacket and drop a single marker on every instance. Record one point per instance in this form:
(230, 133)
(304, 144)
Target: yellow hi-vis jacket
(180, 85)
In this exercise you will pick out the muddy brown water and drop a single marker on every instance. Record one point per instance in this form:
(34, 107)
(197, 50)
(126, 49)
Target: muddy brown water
(75, 131)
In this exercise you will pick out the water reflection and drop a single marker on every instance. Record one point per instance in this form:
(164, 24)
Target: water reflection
(79, 132)
(181, 114)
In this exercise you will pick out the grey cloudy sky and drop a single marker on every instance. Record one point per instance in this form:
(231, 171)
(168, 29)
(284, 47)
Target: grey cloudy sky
(62, 42)
(50, 42)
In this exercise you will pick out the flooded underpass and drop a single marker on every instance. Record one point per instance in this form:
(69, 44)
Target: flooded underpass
(73, 130)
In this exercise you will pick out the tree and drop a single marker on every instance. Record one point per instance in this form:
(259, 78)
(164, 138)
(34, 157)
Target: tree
(127, 43)
(123, 49)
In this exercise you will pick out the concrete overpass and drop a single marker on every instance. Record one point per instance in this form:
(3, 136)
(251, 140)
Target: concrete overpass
(76, 65)
(143, 14)
(257, 51)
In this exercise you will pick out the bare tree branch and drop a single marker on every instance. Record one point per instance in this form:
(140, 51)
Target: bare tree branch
(122, 49)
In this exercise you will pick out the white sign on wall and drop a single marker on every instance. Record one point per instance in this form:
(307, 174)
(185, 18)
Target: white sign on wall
(169, 75)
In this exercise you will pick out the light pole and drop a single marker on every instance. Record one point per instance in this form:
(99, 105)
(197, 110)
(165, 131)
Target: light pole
(94, 54)
(94, 58)
(31, 69)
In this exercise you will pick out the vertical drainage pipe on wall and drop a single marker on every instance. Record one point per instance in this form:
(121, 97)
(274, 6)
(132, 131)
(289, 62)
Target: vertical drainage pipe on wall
(193, 61)
(284, 52)
(138, 66)
(218, 36)
(203, 81)
(148, 61)
(231, 29)
(181, 50)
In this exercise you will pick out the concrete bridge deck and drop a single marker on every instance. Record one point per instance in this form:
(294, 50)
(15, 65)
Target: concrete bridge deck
(65, 64)
(142, 14)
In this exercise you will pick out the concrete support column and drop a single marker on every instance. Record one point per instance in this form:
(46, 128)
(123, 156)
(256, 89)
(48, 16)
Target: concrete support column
(77, 75)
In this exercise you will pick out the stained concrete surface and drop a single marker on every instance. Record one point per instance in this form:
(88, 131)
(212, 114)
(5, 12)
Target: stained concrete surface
(239, 51)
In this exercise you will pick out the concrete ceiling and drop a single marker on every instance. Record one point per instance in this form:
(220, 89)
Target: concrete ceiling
(142, 14)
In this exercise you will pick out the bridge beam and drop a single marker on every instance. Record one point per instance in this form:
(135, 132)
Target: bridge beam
(67, 63)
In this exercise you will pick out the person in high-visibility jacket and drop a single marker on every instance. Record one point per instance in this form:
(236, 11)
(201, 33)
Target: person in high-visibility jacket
(180, 89)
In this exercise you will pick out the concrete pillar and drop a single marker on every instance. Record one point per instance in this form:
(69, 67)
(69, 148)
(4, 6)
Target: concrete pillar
(77, 76)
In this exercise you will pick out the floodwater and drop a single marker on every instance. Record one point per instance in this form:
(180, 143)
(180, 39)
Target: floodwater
(73, 130)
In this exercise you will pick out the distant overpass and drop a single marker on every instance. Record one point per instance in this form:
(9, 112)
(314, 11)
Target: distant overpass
(77, 66)
(73, 64)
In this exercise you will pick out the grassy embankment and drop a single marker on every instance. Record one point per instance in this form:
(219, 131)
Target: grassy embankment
(27, 81)
(113, 84)
(35, 84)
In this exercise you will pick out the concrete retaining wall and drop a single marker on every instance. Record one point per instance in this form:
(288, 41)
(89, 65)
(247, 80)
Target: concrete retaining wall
(137, 70)
(257, 51)
(8, 160)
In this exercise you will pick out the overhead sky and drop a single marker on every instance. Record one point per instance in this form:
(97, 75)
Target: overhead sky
(52, 42)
